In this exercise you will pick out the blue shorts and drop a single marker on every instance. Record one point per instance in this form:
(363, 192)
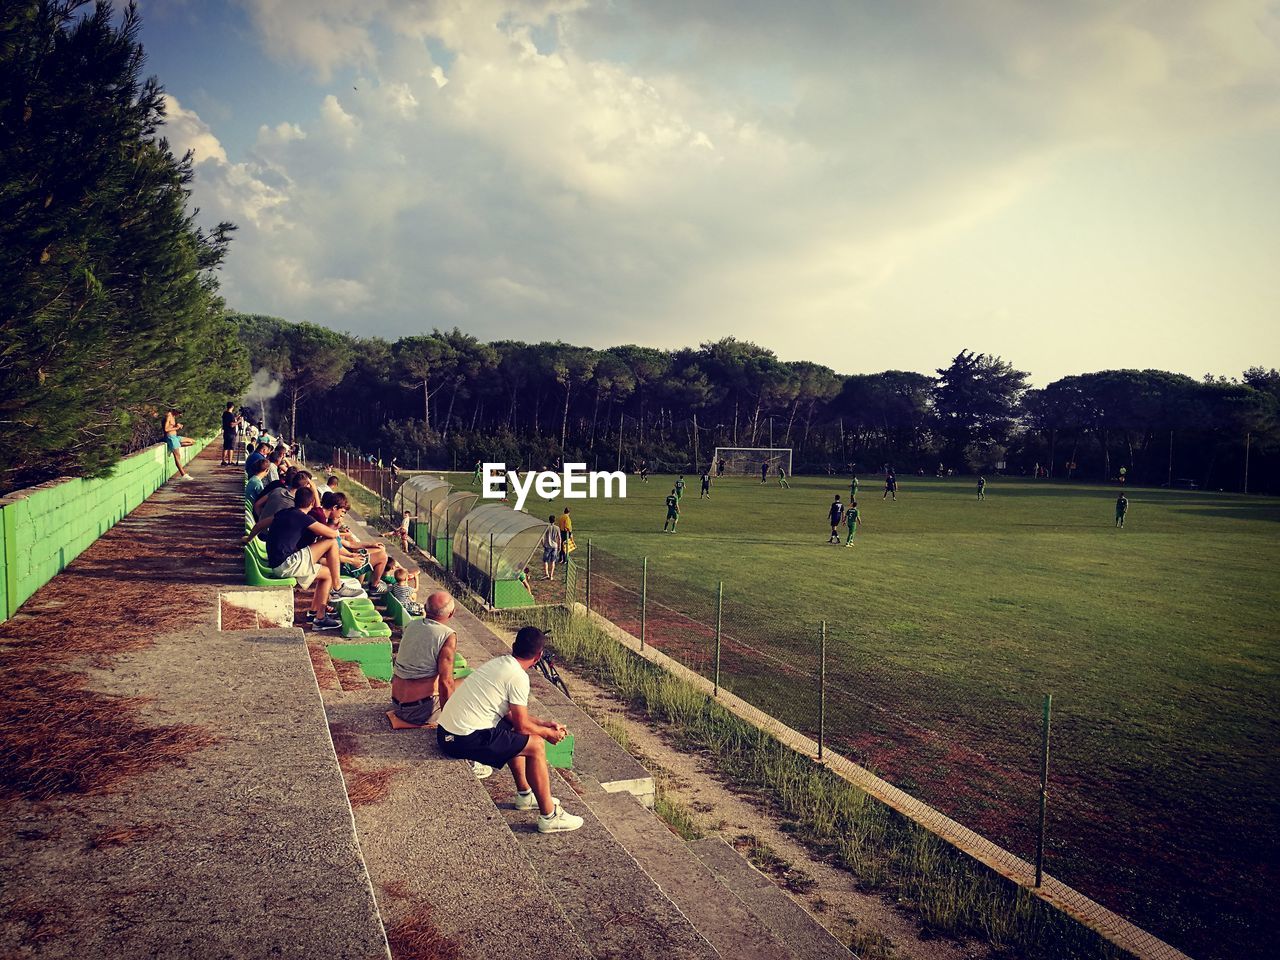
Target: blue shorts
(549, 554)
(173, 440)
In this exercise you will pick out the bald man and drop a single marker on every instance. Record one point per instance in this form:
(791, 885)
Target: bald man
(422, 678)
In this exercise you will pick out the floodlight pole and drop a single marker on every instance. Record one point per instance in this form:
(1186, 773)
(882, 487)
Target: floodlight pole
(1248, 437)
(1044, 788)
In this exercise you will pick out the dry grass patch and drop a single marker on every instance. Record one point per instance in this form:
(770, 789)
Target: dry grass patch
(415, 936)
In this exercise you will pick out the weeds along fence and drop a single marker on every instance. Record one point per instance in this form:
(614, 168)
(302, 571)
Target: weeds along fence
(987, 768)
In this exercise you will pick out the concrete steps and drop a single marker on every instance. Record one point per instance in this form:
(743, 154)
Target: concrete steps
(615, 907)
(722, 917)
(784, 918)
(441, 858)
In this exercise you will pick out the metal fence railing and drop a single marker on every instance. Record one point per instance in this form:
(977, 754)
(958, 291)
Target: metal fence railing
(983, 763)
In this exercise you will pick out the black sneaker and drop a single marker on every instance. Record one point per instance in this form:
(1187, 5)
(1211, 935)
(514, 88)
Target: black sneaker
(326, 623)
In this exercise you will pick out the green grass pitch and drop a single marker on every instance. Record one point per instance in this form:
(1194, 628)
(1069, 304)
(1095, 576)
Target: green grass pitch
(950, 618)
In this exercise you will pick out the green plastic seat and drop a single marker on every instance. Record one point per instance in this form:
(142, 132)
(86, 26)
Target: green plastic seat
(361, 619)
(396, 611)
(258, 574)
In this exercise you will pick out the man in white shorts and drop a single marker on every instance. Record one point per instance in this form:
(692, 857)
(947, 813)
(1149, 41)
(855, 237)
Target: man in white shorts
(486, 720)
(301, 547)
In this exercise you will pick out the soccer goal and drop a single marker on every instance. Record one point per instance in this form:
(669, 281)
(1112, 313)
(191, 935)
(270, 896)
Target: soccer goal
(748, 461)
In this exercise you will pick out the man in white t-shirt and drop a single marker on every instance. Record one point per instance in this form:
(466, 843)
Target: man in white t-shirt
(486, 720)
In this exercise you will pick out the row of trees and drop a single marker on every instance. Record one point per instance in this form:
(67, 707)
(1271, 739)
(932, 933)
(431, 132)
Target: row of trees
(447, 399)
(110, 312)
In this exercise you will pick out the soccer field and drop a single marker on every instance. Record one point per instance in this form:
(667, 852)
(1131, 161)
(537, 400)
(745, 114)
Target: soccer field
(948, 621)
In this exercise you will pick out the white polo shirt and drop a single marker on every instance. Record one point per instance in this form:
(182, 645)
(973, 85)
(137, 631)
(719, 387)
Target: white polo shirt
(484, 698)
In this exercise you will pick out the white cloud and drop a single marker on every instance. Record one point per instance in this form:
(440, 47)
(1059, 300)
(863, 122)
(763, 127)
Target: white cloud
(540, 168)
(186, 131)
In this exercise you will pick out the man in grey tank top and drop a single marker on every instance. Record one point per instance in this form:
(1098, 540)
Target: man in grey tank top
(423, 675)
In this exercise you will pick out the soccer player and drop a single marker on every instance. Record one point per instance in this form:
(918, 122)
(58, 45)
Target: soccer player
(720, 467)
(1122, 507)
(782, 476)
(706, 486)
(673, 511)
(764, 472)
(982, 488)
(644, 470)
(835, 513)
(475, 477)
(680, 487)
(890, 487)
(851, 521)
(853, 488)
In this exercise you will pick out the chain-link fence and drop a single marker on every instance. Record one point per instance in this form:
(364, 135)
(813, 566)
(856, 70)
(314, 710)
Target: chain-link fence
(980, 762)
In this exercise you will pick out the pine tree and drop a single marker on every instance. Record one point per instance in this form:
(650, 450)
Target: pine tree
(110, 313)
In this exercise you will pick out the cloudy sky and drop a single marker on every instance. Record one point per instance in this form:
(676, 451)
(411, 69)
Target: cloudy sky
(1077, 185)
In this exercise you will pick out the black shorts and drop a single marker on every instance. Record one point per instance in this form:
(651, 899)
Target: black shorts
(495, 747)
(228, 441)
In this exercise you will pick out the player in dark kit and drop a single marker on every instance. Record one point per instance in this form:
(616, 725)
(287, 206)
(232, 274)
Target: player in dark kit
(673, 512)
(764, 472)
(1122, 507)
(890, 487)
(835, 513)
(706, 486)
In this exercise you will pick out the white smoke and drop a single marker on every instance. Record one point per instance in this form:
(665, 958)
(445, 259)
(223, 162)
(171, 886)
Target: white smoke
(262, 388)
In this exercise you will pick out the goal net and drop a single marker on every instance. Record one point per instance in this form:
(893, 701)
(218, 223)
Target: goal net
(749, 461)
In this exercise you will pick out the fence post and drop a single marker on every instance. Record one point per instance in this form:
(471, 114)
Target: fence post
(466, 550)
(588, 574)
(416, 520)
(822, 689)
(1044, 788)
(644, 597)
(719, 621)
(431, 522)
(493, 587)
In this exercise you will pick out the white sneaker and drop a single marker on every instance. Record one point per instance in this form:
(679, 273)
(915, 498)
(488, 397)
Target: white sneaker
(347, 593)
(558, 822)
(482, 771)
(186, 476)
(530, 802)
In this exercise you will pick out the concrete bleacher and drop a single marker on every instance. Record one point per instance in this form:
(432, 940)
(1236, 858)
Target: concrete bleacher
(307, 827)
(624, 883)
(244, 848)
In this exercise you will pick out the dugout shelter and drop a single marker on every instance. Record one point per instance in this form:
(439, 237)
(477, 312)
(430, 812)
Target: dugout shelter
(491, 546)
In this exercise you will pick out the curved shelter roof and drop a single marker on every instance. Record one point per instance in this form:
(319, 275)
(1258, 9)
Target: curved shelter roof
(423, 487)
(514, 537)
(447, 514)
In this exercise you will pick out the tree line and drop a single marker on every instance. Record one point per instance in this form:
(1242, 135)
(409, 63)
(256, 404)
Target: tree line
(446, 399)
(109, 313)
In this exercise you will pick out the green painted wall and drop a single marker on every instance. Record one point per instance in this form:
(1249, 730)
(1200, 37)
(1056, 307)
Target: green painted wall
(46, 527)
(509, 594)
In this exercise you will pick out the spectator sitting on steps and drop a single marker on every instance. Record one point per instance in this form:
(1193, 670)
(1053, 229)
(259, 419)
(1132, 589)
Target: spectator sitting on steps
(422, 678)
(486, 720)
(301, 547)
